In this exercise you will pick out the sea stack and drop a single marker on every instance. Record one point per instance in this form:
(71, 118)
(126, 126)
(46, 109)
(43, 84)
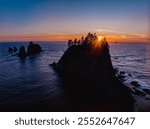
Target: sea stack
(10, 49)
(89, 77)
(22, 52)
(33, 49)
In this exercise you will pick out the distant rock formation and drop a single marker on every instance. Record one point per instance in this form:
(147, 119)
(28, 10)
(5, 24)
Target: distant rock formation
(10, 49)
(87, 72)
(15, 49)
(33, 49)
(22, 52)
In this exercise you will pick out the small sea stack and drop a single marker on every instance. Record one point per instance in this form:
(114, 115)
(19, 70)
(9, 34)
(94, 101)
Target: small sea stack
(89, 78)
(15, 49)
(22, 52)
(10, 49)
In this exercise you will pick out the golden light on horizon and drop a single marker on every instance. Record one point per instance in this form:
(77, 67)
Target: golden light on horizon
(99, 38)
(43, 37)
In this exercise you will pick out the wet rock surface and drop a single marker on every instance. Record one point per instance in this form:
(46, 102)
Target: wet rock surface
(135, 83)
(138, 92)
(147, 91)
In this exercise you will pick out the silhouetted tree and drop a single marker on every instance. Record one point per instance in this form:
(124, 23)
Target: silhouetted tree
(75, 41)
(79, 42)
(82, 39)
(69, 42)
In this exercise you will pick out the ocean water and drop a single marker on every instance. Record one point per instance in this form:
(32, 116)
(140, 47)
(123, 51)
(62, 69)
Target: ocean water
(32, 81)
(133, 58)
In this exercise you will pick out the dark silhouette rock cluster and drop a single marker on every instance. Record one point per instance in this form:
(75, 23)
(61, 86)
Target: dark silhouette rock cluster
(12, 49)
(31, 50)
(87, 72)
(138, 92)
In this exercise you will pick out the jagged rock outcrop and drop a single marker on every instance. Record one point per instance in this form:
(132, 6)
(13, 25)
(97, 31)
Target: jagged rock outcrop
(33, 49)
(12, 49)
(89, 77)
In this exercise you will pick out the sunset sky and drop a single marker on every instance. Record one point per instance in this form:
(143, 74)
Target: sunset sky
(51, 20)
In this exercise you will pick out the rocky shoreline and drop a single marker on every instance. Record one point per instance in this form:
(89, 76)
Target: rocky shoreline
(140, 93)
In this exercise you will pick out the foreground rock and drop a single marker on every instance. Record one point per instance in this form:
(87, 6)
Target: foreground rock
(147, 91)
(89, 78)
(138, 92)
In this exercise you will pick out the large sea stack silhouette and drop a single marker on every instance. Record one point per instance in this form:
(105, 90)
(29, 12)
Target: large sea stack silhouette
(89, 78)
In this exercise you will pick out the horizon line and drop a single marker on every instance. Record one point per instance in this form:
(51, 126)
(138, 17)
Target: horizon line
(67, 41)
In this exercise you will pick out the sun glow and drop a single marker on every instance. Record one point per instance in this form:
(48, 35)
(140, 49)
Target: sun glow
(99, 38)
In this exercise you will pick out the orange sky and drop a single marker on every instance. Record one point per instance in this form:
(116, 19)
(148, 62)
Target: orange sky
(110, 38)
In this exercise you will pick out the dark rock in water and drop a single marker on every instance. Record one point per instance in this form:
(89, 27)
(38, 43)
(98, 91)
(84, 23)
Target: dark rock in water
(10, 49)
(146, 91)
(89, 78)
(121, 77)
(130, 75)
(138, 92)
(122, 72)
(135, 83)
(15, 49)
(33, 49)
(116, 70)
(147, 98)
(22, 52)
(54, 65)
